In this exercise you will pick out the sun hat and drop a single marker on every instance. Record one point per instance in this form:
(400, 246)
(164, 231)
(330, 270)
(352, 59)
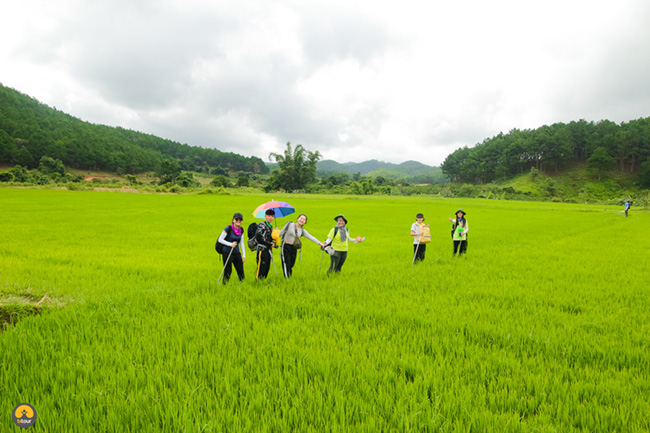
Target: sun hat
(461, 210)
(238, 216)
(336, 218)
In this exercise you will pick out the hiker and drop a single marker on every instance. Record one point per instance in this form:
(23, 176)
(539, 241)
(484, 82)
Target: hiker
(627, 207)
(459, 232)
(264, 243)
(291, 243)
(419, 243)
(337, 241)
(232, 252)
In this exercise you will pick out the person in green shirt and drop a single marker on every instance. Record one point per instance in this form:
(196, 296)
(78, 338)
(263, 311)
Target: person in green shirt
(459, 232)
(338, 239)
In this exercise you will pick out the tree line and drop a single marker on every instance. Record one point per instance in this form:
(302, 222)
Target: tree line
(30, 130)
(603, 146)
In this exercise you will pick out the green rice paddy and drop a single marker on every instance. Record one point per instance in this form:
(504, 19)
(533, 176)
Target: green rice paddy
(541, 327)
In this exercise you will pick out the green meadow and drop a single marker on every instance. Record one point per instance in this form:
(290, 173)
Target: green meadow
(541, 327)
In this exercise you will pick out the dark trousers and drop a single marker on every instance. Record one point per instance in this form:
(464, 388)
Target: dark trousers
(337, 260)
(263, 256)
(460, 247)
(419, 251)
(235, 259)
(289, 254)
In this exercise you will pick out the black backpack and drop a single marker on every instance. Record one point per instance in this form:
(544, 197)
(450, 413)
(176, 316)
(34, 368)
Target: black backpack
(252, 229)
(218, 246)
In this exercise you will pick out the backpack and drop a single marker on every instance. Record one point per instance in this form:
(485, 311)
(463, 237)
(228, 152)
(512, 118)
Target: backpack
(218, 246)
(453, 228)
(425, 235)
(252, 229)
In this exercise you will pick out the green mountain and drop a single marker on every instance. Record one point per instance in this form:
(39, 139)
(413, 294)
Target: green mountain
(30, 130)
(412, 171)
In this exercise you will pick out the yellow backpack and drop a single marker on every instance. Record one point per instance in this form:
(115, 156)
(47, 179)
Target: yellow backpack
(425, 234)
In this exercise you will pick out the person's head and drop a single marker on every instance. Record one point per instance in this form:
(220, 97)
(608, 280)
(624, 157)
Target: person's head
(460, 214)
(237, 219)
(302, 219)
(340, 220)
(269, 215)
(419, 218)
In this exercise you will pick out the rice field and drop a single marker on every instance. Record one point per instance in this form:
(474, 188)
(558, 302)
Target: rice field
(541, 327)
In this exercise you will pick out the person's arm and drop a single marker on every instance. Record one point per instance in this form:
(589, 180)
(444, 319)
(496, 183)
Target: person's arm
(466, 229)
(241, 247)
(330, 237)
(306, 234)
(222, 239)
(415, 232)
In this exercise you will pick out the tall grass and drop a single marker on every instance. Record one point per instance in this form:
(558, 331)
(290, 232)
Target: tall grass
(542, 326)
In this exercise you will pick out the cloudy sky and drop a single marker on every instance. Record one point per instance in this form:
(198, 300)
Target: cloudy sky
(356, 80)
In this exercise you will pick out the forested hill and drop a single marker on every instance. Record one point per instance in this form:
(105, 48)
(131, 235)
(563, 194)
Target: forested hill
(412, 171)
(604, 146)
(30, 130)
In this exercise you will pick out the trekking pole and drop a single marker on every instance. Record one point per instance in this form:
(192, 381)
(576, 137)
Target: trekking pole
(321, 260)
(283, 261)
(416, 251)
(224, 266)
(274, 268)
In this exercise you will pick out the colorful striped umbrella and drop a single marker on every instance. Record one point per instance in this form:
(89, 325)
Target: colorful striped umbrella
(281, 209)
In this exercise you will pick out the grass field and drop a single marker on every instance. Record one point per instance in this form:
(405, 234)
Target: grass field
(541, 327)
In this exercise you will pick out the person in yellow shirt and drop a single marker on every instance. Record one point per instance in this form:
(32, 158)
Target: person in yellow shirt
(338, 239)
(459, 232)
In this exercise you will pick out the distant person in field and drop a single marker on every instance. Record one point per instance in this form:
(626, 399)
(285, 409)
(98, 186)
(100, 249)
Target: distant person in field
(291, 243)
(337, 241)
(231, 238)
(419, 243)
(459, 232)
(627, 207)
(265, 245)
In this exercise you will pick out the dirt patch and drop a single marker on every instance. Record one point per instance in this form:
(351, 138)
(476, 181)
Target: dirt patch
(15, 307)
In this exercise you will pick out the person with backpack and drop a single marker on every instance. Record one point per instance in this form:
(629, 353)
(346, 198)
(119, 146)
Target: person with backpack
(459, 232)
(337, 241)
(232, 252)
(291, 243)
(421, 236)
(264, 243)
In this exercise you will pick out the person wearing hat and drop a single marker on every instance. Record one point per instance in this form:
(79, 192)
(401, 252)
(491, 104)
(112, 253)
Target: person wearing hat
(265, 243)
(419, 245)
(291, 243)
(337, 239)
(233, 253)
(459, 232)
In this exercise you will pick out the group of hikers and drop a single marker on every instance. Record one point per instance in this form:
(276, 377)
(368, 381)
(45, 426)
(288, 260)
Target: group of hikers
(263, 238)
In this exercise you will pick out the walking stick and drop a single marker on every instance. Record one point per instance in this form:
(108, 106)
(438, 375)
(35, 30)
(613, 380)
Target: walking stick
(321, 260)
(416, 251)
(273, 261)
(224, 266)
(283, 261)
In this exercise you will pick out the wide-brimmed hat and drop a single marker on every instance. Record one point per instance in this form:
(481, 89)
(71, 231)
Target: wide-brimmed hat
(336, 218)
(461, 210)
(420, 215)
(238, 216)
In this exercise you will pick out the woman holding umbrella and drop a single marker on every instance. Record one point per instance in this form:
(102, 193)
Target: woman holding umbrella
(291, 243)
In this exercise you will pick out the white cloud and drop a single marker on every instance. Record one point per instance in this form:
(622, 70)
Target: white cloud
(361, 80)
